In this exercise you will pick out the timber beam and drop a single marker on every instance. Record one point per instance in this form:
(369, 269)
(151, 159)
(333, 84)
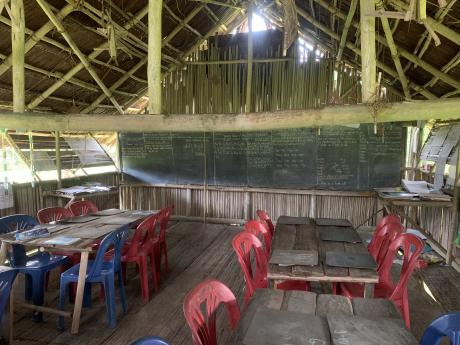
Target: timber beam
(446, 109)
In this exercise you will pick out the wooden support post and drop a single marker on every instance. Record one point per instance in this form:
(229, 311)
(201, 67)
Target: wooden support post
(154, 56)
(250, 59)
(57, 148)
(368, 52)
(454, 226)
(17, 41)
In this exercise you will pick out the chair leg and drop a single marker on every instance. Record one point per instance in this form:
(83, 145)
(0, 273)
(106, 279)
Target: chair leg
(62, 292)
(28, 287)
(109, 287)
(124, 270)
(155, 273)
(38, 293)
(87, 296)
(121, 286)
(144, 278)
(165, 250)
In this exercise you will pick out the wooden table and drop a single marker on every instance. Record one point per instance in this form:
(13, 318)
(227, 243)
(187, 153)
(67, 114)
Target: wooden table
(379, 315)
(408, 209)
(88, 233)
(305, 237)
(71, 197)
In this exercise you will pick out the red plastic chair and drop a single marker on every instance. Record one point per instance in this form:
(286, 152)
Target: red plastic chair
(376, 241)
(138, 250)
(259, 230)
(412, 247)
(82, 207)
(53, 214)
(243, 243)
(385, 237)
(165, 214)
(212, 293)
(265, 218)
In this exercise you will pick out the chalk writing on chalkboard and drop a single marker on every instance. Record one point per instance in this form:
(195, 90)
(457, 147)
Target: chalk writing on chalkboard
(337, 158)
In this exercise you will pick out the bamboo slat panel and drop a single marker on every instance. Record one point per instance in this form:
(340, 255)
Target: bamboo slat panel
(233, 203)
(356, 209)
(28, 199)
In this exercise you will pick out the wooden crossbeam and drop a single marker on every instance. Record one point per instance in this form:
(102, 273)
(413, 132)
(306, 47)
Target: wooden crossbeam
(446, 109)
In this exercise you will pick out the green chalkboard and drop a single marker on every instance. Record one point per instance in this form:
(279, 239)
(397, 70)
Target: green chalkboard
(335, 158)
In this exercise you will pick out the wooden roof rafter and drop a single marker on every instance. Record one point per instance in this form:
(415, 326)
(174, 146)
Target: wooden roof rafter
(448, 79)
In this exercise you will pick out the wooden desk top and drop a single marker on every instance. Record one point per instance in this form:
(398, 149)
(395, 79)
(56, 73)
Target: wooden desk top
(383, 321)
(88, 232)
(305, 237)
(415, 202)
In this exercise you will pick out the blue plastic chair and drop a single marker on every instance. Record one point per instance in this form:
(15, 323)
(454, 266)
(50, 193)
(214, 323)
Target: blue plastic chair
(150, 341)
(102, 272)
(7, 275)
(447, 325)
(34, 267)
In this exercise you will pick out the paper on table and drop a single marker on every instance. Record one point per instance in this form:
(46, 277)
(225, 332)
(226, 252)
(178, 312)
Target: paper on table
(62, 240)
(416, 186)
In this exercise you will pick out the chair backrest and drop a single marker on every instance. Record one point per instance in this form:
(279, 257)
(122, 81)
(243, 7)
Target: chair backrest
(18, 257)
(52, 214)
(244, 243)
(448, 325)
(258, 229)
(150, 341)
(7, 276)
(144, 231)
(374, 245)
(113, 241)
(211, 293)
(265, 218)
(82, 207)
(383, 240)
(412, 247)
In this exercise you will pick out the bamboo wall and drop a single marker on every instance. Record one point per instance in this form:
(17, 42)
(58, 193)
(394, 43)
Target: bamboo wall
(28, 199)
(308, 81)
(241, 203)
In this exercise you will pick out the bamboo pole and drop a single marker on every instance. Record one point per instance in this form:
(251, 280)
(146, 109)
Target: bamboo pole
(96, 52)
(17, 42)
(440, 28)
(368, 52)
(404, 53)
(250, 57)
(357, 51)
(346, 27)
(57, 147)
(394, 51)
(78, 52)
(154, 56)
(36, 37)
(327, 116)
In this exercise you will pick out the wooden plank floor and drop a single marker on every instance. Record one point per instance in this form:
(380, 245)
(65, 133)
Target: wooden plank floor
(195, 253)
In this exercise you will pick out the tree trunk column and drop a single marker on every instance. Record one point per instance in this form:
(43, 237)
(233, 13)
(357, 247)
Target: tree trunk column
(154, 56)
(17, 41)
(368, 56)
